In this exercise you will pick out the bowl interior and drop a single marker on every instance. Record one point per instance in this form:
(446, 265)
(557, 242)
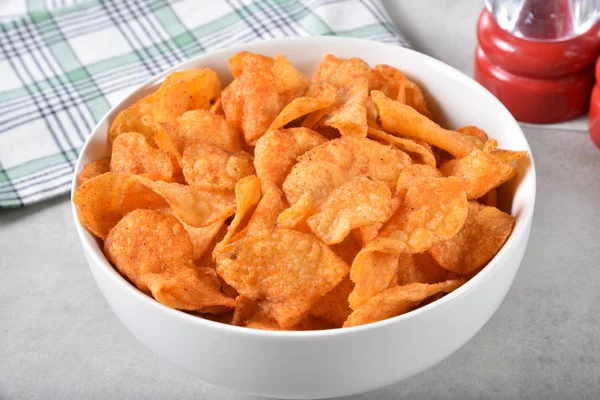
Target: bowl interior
(456, 100)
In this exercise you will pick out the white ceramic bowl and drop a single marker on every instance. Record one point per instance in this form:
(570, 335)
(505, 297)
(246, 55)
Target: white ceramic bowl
(337, 362)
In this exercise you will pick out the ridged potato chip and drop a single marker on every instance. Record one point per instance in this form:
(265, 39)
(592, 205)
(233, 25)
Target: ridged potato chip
(420, 153)
(206, 164)
(484, 170)
(182, 91)
(276, 152)
(93, 169)
(132, 155)
(398, 300)
(359, 202)
(130, 120)
(195, 206)
(328, 166)
(153, 250)
(401, 119)
(481, 237)
(98, 202)
(285, 271)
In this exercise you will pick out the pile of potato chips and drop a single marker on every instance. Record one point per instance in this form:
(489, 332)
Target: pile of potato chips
(288, 203)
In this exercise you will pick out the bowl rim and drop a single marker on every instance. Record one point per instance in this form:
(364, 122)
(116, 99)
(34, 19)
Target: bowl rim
(105, 267)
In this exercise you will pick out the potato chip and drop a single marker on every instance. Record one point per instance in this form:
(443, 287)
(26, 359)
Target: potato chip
(232, 104)
(245, 309)
(490, 198)
(421, 268)
(131, 154)
(397, 300)
(98, 202)
(259, 98)
(202, 238)
(359, 202)
(318, 96)
(247, 195)
(433, 211)
(507, 156)
(411, 95)
(371, 273)
(481, 237)
(205, 164)
(484, 170)
(414, 174)
(93, 169)
(386, 79)
(327, 68)
(474, 131)
(347, 249)
(285, 271)
(129, 120)
(295, 216)
(328, 166)
(404, 120)
(333, 306)
(135, 195)
(276, 152)
(291, 83)
(217, 108)
(195, 206)
(271, 204)
(189, 289)
(236, 62)
(420, 153)
(349, 116)
(182, 91)
(367, 233)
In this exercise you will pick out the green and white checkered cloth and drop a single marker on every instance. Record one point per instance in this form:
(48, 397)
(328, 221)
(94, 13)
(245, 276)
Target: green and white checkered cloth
(63, 64)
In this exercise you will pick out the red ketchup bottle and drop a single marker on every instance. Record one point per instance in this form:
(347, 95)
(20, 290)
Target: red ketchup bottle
(594, 119)
(537, 56)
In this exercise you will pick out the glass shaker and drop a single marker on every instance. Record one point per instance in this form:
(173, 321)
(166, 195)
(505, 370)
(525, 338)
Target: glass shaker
(537, 56)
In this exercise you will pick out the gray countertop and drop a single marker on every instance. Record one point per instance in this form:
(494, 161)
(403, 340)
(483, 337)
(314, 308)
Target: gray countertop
(59, 339)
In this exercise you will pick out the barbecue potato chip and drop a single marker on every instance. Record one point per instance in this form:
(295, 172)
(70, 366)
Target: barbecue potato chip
(328, 166)
(411, 95)
(182, 91)
(348, 249)
(420, 153)
(333, 306)
(327, 68)
(481, 237)
(98, 202)
(318, 96)
(190, 289)
(247, 195)
(130, 120)
(232, 104)
(93, 169)
(291, 83)
(474, 131)
(401, 119)
(131, 154)
(484, 170)
(359, 202)
(195, 206)
(413, 174)
(432, 211)
(421, 268)
(371, 273)
(203, 237)
(271, 204)
(245, 309)
(386, 79)
(276, 152)
(285, 271)
(136, 195)
(205, 163)
(236, 62)
(398, 300)
(295, 216)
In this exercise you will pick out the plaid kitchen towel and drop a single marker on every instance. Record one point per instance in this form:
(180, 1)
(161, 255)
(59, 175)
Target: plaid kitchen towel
(63, 64)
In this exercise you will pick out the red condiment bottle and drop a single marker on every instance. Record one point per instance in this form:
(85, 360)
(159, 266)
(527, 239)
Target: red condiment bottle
(537, 56)
(594, 119)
